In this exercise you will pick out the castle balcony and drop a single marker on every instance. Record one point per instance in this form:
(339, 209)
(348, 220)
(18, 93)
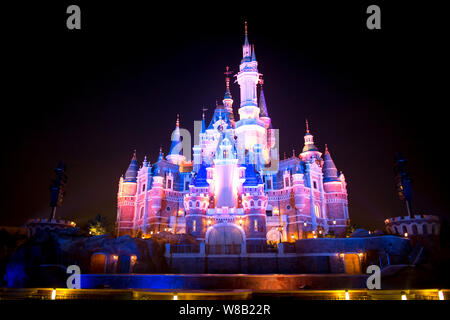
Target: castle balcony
(225, 211)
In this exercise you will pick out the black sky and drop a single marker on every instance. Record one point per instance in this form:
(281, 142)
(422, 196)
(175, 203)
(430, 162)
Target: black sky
(90, 97)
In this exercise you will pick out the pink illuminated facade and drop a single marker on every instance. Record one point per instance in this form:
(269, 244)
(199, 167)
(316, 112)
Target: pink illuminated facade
(236, 189)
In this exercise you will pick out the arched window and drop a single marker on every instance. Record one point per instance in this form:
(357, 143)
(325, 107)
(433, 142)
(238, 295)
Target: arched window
(424, 229)
(190, 204)
(259, 203)
(194, 226)
(405, 230)
(317, 210)
(197, 204)
(252, 203)
(141, 215)
(256, 225)
(414, 229)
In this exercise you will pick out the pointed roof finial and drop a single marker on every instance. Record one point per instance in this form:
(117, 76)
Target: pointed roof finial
(246, 33)
(293, 153)
(326, 148)
(178, 120)
(227, 74)
(307, 126)
(134, 155)
(253, 53)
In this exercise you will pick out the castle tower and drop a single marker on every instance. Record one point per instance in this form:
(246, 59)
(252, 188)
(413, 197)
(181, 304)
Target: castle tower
(250, 130)
(176, 149)
(309, 149)
(225, 173)
(126, 199)
(336, 195)
(228, 99)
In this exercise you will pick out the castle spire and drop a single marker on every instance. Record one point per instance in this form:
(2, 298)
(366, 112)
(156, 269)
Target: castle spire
(246, 33)
(246, 46)
(309, 140)
(132, 171)
(176, 149)
(227, 74)
(262, 101)
(253, 53)
(330, 172)
(203, 130)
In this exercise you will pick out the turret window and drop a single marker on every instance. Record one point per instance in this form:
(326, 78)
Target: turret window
(143, 187)
(315, 184)
(194, 226)
(256, 225)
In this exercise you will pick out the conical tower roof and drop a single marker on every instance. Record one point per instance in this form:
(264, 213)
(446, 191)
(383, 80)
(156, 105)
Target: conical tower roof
(330, 172)
(132, 171)
(176, 146)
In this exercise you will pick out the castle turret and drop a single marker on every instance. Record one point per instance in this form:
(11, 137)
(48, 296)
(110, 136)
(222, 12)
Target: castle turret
(250, 130)
(329, 168)
(228, 99)
(176, 149)
(126, 198)
(335, 195)
(309, 149)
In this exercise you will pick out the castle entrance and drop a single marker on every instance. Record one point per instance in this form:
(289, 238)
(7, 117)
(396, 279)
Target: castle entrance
(224, 238)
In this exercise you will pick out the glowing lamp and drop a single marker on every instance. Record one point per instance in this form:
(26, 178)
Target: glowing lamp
(406, 234)
(341, 255)
(320, 231)
(404, 297)
(209, 221)
(175, 297)
(315, 236)
(115, 257)
(347, 295)
(151, 232)
(314, 232)
(441, 295)
(53, 294)
(334, 221)
(360, 254)
(240, 222)
(305, 224)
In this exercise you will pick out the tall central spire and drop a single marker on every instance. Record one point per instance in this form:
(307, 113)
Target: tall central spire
(246, 47)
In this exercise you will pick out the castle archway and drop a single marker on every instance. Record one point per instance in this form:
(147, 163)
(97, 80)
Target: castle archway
(225, 238)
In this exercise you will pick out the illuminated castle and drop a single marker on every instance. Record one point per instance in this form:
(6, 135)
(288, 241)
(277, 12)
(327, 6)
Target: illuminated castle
(236, 190)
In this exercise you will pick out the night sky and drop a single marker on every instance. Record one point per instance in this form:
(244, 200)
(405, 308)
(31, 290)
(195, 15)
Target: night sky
(91, 97)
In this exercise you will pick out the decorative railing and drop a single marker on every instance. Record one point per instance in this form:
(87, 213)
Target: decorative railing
(185, 248)
(261, 248)
(223, 249)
